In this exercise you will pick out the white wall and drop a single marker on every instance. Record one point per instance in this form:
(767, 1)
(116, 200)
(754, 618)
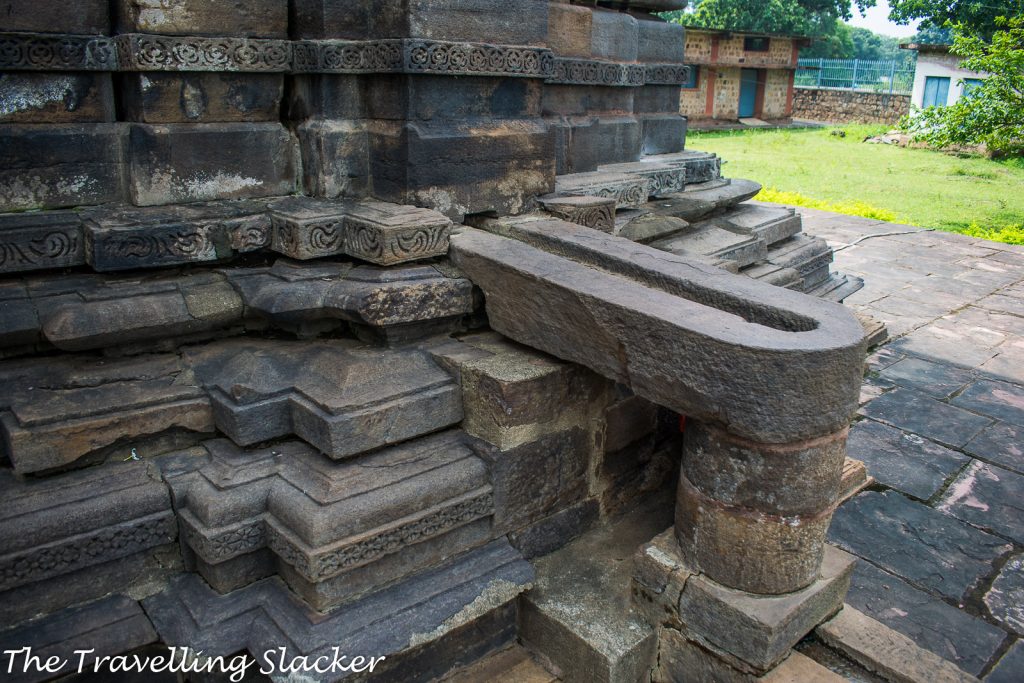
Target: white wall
(942, 65)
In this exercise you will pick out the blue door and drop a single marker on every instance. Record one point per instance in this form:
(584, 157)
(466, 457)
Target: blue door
(936, 91)
(748, 92)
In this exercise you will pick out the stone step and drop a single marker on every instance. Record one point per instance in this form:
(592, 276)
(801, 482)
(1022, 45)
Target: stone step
(579, 615)
(771, 224)
(703, 199)
(809, 256)
(714, 242)
(86, 311)
(701, 167)
(663, 178)
(111, 626)
(425, 626)
(629, 190)
(90, 532)
(341, 396)
(836, 288)
(334, 531)
(774, 275)
(121, 237)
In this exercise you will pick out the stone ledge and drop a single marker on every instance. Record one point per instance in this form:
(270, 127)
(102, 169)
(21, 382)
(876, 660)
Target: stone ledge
(882, 650)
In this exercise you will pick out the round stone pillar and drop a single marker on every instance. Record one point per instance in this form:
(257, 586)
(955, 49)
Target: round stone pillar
(753, 516)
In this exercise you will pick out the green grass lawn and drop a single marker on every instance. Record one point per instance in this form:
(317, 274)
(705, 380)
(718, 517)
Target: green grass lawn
(811, 167)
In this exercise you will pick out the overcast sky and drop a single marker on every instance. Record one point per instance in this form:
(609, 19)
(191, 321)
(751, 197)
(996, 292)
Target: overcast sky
(877, 19)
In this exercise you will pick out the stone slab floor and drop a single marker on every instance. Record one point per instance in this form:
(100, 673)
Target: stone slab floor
(940, 536)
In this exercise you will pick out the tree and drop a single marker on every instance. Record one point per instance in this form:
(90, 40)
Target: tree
(837, 44)
(801, 17)
(977, 17)
(933, 36)
(993, 112)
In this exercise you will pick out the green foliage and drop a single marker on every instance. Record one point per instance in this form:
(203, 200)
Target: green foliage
(918, 186)
(1009, 234)
(800, 17)
(855, 42)
(976, 17)
(933, 35)
(992, 113)
(853, 208)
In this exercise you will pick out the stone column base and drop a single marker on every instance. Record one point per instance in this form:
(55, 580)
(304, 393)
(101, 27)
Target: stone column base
(745, 632)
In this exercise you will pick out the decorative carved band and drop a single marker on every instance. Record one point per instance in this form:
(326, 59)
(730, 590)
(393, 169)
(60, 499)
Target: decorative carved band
(41, 52)
(142, 52)
(145, 52)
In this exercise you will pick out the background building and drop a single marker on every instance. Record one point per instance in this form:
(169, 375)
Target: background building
(739, 75)
(939, 81)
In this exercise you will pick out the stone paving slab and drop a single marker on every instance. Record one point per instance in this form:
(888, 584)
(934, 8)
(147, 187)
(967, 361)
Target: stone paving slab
(1001, 444)
(905, 462)
(988, 497)
(945, 396)
(921, 414)
(924, 546)
(966, 640)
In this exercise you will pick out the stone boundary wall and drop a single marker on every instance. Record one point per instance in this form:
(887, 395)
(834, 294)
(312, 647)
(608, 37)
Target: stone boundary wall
(848, 106)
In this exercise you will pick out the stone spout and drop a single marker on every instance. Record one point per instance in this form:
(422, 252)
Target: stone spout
(768, 377)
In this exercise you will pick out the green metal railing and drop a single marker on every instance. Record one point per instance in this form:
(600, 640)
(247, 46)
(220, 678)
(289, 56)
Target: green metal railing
(890, 76)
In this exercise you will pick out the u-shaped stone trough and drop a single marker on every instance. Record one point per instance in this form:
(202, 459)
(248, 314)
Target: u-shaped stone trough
(768, 377)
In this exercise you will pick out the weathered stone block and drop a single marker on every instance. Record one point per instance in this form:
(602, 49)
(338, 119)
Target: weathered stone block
(61, 408)
(69, 522)
(190, 163)
(428, 97)
(551, 533)
(714, 242)
(569, 29)
(387, 234)
(681, 660)
(614, 36)
(121, 238)
(660, 41)
(595, 141)
(593, 212)
(52, 16)
(800, 478)
(538, 478)
(485, 21)
(664, 179)
(464, 168)
(38, 241)
(307, 228)
(156, 97)
(112, 626)
(55, 166)
(759, 629)
(662, 134)
(79, 97)
(427, 610)
(252, 19)
(628, 191)
(879, 649)
(335, 159)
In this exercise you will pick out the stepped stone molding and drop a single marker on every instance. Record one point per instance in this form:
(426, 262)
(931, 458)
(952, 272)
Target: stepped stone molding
(287, 496)
(629, 190)
(145, 52)
(424, 611)
(593, 212)
(359, 399)
(663, 178)
(105, 513)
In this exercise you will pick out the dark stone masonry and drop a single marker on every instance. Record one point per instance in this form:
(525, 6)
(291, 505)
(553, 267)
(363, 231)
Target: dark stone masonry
(409, 331)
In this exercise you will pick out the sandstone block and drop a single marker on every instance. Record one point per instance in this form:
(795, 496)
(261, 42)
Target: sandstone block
(628, 190)
(80, 97)
(52, 16)
(191, 163)
(759, 629)
(156, 97)
(121, 238)
(614, 36)
(387, 234)
(662, 134)
(334, 158)
(253, 19)
(593, 212)
(569, 29)
(660, 41)
(307, 228)
(485, 21)
(55, 166)
(38, 241)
